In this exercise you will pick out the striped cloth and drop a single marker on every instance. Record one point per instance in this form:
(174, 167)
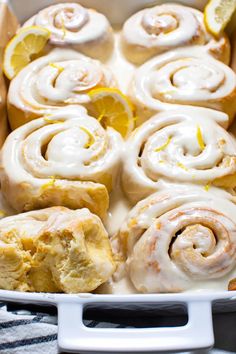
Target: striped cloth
(25, 332)
(28, 331)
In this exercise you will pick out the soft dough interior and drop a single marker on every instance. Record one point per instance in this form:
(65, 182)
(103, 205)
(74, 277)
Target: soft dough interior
(69, 253)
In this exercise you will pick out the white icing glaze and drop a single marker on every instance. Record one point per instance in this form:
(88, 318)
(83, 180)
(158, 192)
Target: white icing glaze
(181, 77)
(167, 146)
(155, 30)
(60, 78)
(118, 209)
(120, 66)
(150, 226)
(71, 24)
(67, 147)
(119, 206)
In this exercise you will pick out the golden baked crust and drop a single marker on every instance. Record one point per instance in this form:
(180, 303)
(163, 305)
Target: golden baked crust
(54, 250)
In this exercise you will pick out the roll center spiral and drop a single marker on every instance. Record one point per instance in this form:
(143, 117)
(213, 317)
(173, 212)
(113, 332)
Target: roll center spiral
(199, 237)
(192, 77)
(71, 18)
(155, 24)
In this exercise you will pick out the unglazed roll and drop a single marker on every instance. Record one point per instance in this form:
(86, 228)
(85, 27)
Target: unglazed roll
(178, 239)
(165, 27)
(72, 25)
(183, 77)
(63, 77)
(54, 250)
(178, 147)
(64, 159)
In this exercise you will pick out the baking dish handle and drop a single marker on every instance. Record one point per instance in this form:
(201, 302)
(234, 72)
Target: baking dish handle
(74, 336)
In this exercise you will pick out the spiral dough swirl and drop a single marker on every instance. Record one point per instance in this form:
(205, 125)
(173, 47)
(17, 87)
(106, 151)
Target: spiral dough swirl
(178, 237)
(72, 25)
(178, 146)
(58, 79)
(65, 159)
(153, 31)
(183, 77)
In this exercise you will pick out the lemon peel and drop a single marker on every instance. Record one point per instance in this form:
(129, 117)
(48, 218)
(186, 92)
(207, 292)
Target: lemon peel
(217, 14)
(200, 138)
(28, 41)
(113, 109)
(91, 139)
(56, 66)
(164, 146)
(179, 164)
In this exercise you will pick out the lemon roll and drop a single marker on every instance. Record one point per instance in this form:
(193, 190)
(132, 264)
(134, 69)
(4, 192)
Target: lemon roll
(64, 159)
(177, 146)
(179, 239)
(54, 250)
(61, 78)
(74, 26)
(155, 30)
(184, 77)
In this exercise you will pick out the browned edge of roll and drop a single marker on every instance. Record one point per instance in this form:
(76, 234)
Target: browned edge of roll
(8, 26)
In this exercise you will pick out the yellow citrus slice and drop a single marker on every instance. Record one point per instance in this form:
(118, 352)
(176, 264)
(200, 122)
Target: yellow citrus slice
(217, 14)
(28, 42)
(113, 109)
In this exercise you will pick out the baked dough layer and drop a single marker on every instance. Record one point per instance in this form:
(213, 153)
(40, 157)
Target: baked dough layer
(54, 250)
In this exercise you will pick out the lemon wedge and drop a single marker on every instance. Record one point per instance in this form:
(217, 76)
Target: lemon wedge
(217, 15)
(113, 109)
(28, 42)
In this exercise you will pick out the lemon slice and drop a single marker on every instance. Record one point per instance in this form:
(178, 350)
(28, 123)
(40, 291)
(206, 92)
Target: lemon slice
(112, 108)
(28, 42)
(217, 14)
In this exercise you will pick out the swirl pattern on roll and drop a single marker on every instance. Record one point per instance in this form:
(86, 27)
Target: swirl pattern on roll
(165, 27)
(72, 25)
(54, 250)
(184, 77)
(179, 238)
(177, 146)
(61, 78)
(64, 159)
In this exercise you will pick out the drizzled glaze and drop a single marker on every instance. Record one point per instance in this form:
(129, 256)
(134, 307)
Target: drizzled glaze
(120, 282)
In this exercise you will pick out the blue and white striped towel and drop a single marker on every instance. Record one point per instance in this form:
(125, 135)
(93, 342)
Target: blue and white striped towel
(27, 332)
(21, 332)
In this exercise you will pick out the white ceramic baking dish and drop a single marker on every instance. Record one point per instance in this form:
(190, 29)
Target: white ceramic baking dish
(73, 335)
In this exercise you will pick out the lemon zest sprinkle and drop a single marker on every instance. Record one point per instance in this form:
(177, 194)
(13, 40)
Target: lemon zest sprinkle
(50, 183)
(200, 138)
(51, 121)
(91, 137)
(162, 147)
(207, 187)
(56, 66)
(133, 222)
(179, 164)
